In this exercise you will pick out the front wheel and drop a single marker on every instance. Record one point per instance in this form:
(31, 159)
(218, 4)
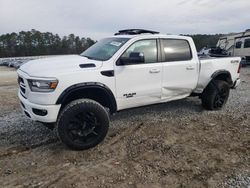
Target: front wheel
(215, 96)
(82, 124)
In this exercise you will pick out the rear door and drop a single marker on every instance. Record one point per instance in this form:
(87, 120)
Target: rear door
(139, 83)
(180, 69)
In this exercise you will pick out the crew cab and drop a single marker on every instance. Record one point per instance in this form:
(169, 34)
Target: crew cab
(78, 93)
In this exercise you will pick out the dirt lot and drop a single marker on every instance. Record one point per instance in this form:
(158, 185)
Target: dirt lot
(176, 144)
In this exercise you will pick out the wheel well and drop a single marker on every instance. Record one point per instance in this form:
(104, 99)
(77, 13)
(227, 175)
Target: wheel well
(94, 92)
(224, 76)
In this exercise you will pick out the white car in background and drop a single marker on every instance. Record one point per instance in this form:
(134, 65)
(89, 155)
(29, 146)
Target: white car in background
(204, 51)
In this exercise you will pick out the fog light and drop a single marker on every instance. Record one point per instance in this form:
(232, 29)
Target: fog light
(39, 112)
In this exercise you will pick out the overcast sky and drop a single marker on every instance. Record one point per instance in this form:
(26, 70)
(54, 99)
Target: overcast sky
(99, 18)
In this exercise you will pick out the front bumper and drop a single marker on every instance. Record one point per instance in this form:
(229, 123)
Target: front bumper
(236, 83)
(28, 108)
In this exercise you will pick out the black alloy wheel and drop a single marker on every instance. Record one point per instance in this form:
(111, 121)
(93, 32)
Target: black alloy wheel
(215, 95)
(83, 124)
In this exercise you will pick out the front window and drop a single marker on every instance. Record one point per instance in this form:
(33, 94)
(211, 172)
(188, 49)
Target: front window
(104, 49)
(148, 48)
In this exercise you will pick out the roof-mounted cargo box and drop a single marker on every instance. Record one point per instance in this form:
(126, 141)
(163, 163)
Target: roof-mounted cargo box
(135, 32)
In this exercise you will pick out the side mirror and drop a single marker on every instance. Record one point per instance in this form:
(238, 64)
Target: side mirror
(134, 58)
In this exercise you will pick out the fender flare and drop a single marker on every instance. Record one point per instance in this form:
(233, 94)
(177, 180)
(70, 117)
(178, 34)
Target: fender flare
(222, 72)
(89, 85)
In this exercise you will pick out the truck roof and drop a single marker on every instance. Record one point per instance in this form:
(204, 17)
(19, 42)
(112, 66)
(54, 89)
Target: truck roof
(152, 35)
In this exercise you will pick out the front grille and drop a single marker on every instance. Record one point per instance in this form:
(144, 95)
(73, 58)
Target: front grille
(20, 80)
(23, 105)
(23, 95)
(22, 86)
(22, 89)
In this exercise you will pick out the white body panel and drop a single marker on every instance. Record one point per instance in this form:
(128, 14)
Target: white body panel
(152, 82)
(131, 79)
(209, 66)
(180, 77)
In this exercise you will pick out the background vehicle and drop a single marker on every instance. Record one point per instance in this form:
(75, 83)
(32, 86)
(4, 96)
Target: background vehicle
(131, 69)
(204, 51)
(237, 44)
(213, 52)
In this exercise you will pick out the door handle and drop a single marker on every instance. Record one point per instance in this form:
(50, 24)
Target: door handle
(154, 71)
(189, 68)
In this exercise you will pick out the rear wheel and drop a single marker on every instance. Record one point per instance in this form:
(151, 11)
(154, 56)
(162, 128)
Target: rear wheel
(215, 96)
(82, 124)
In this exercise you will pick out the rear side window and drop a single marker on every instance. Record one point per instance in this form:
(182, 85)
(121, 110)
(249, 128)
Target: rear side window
(247, 43)
(238, 44)
(176, 50)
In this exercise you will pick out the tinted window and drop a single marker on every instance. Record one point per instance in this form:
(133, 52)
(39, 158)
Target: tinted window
(104, 49)
(176, 50)
(247, 43)
(238, 44)
(147, 47)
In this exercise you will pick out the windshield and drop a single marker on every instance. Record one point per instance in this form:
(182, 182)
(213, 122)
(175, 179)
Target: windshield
(104, 49)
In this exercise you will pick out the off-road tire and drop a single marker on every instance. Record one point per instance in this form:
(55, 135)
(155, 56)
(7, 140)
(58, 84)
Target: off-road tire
(76, 117)
(215, 95)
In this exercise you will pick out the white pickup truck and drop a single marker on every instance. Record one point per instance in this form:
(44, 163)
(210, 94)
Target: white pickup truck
(133, 68)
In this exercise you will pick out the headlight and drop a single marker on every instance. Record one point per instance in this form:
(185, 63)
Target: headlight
(42, 85)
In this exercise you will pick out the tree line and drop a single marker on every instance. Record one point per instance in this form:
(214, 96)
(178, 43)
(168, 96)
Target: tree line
(205, 40)
(33, 43)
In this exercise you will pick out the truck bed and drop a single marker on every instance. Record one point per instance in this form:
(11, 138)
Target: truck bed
(209, 64)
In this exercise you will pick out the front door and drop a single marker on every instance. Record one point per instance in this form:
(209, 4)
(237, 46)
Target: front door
(138, 81)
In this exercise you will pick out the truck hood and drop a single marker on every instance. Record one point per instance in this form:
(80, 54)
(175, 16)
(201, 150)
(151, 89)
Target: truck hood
(53, 66)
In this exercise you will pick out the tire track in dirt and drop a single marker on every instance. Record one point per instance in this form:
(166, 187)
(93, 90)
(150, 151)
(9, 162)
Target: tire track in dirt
(20, 149)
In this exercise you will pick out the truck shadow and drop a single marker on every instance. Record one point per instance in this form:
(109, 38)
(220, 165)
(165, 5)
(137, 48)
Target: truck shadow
(172, 108)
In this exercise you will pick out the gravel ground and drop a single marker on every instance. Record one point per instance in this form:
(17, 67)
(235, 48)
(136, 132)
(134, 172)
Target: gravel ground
(176, 144)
